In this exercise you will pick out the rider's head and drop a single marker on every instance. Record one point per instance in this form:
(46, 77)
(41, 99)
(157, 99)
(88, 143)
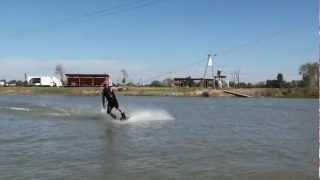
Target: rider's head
(106, 83)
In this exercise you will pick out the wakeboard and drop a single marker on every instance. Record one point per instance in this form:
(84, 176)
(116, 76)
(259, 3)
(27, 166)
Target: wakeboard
(118, 117)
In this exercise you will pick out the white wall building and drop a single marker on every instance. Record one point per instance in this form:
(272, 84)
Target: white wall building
(44, 81)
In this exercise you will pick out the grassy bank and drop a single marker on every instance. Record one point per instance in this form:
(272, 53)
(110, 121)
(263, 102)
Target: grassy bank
(159, 91)
(280, 92)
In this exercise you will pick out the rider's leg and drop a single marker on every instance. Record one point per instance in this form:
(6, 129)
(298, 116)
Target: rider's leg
(123, 115)
(109, 109)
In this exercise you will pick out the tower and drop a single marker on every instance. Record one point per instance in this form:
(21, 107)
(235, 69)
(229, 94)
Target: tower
(208, 65)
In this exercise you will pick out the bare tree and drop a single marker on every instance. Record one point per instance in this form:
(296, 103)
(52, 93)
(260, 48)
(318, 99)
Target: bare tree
(25, 78)
(235, 74)
(233, 79)
(124, 76)
(59, 72)
(238, 77)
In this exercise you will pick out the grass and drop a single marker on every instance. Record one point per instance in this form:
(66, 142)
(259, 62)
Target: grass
(160, 91)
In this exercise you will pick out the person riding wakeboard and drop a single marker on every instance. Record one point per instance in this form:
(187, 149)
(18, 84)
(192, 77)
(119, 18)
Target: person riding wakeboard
(108, 94)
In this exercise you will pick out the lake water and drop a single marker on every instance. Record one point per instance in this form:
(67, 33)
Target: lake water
(165, 138)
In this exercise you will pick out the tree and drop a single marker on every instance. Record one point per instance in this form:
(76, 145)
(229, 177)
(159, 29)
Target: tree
(156, 84)
(233, 81)
(260, 84)
(20, 83)
(280, 79)
(167, 82)
(272, 83)
(190, 82)
(310, 74)
(59, 72)
(276, 83)
(236, 78)
(131, 84)
(124, 76)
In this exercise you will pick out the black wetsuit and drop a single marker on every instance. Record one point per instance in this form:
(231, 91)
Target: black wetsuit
(111, 98)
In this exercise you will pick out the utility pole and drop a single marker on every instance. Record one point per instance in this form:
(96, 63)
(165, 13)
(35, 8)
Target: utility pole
(213, 79)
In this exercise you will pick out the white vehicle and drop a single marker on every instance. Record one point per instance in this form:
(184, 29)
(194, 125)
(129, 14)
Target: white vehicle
(44, 81)
(2, 83)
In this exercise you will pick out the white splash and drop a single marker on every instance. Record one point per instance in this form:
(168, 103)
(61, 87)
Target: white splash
(57, 114)
(149, 115)
(141, 116)
(19, 109)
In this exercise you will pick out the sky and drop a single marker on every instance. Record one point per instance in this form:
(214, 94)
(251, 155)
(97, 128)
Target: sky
(158, 39)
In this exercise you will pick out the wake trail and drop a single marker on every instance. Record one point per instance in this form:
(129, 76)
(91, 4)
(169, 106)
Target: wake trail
(143, 116)
(135, 115)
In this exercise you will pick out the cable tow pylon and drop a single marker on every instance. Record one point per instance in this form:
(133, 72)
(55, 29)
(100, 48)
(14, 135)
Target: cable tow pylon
(210, 63)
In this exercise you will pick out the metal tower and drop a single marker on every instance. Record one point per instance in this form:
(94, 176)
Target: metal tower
(209, 64)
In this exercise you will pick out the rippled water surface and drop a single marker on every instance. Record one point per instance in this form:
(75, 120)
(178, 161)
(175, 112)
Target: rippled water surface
(165, 138)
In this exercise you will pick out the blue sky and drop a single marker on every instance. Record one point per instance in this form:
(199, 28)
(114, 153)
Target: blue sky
(148, 37)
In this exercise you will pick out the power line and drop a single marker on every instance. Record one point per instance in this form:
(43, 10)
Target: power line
(255, 41)
(230, 50)
(120, 8)
(172, 72)
(89, 15)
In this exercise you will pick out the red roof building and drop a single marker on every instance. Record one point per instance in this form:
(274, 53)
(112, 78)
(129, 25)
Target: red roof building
(85, 80)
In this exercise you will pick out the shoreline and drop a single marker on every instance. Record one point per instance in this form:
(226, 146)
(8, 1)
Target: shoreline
(160, 91)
